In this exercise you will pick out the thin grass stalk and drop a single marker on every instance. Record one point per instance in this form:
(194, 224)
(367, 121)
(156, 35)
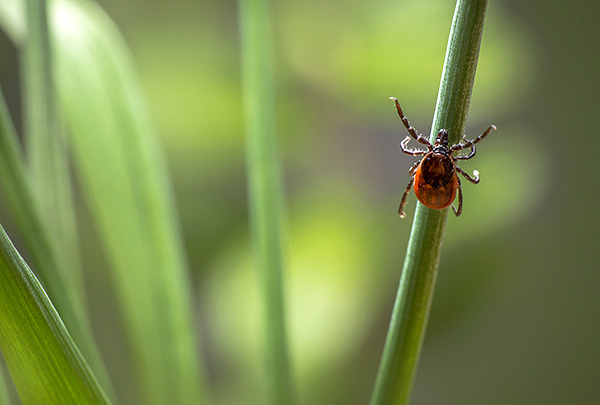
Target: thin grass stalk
(413, 301)
(264, 188)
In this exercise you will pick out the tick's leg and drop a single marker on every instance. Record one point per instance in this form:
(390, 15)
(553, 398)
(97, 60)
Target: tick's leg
(485, 133)
(401, 208)
(459, 210)
(412, 152)
(411, 130)
(467, 156)
(472, 180)
(413, 168)
(469, 144)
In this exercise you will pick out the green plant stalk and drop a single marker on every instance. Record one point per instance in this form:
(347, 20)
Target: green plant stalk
(413, 301)
(265, 194)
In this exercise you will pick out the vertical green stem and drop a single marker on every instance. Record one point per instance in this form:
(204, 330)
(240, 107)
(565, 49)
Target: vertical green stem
(413, 301)
(265, 194)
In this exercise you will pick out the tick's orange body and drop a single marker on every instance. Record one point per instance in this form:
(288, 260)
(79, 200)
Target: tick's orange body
(436, 181)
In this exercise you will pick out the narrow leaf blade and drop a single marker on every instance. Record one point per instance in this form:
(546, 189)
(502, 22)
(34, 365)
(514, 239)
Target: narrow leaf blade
(45, 364)
(124, 178)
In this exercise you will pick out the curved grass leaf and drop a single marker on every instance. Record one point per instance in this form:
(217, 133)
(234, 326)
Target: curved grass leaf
(45, 364)
(17, 191)
(123, 174)
(50, 231)
(45, 145)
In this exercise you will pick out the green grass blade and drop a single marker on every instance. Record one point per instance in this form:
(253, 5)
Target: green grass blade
(124, 177)
(44, 363)
(50, 230)
(265, 195)
(48, 160)
(17, 190)
(413, 301)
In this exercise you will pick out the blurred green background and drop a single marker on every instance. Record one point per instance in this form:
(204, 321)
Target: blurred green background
(515, 315)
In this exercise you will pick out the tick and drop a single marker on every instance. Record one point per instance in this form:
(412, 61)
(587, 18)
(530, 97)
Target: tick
(435, 176)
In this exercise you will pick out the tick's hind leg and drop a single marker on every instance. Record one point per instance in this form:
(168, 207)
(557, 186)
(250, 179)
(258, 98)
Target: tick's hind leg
(472, 180)
(413, 168)
(406, 191)
(460, 201)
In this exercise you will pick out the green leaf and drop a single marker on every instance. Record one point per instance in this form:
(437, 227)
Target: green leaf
(124, 177)
(45, 364)
(17, 191)
(48, 223)
(47, 152)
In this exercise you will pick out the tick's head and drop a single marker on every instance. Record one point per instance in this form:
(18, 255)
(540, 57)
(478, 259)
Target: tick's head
(442, 140)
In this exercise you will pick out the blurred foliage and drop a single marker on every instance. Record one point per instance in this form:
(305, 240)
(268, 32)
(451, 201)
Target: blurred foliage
(503, 285)
(333, 75)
